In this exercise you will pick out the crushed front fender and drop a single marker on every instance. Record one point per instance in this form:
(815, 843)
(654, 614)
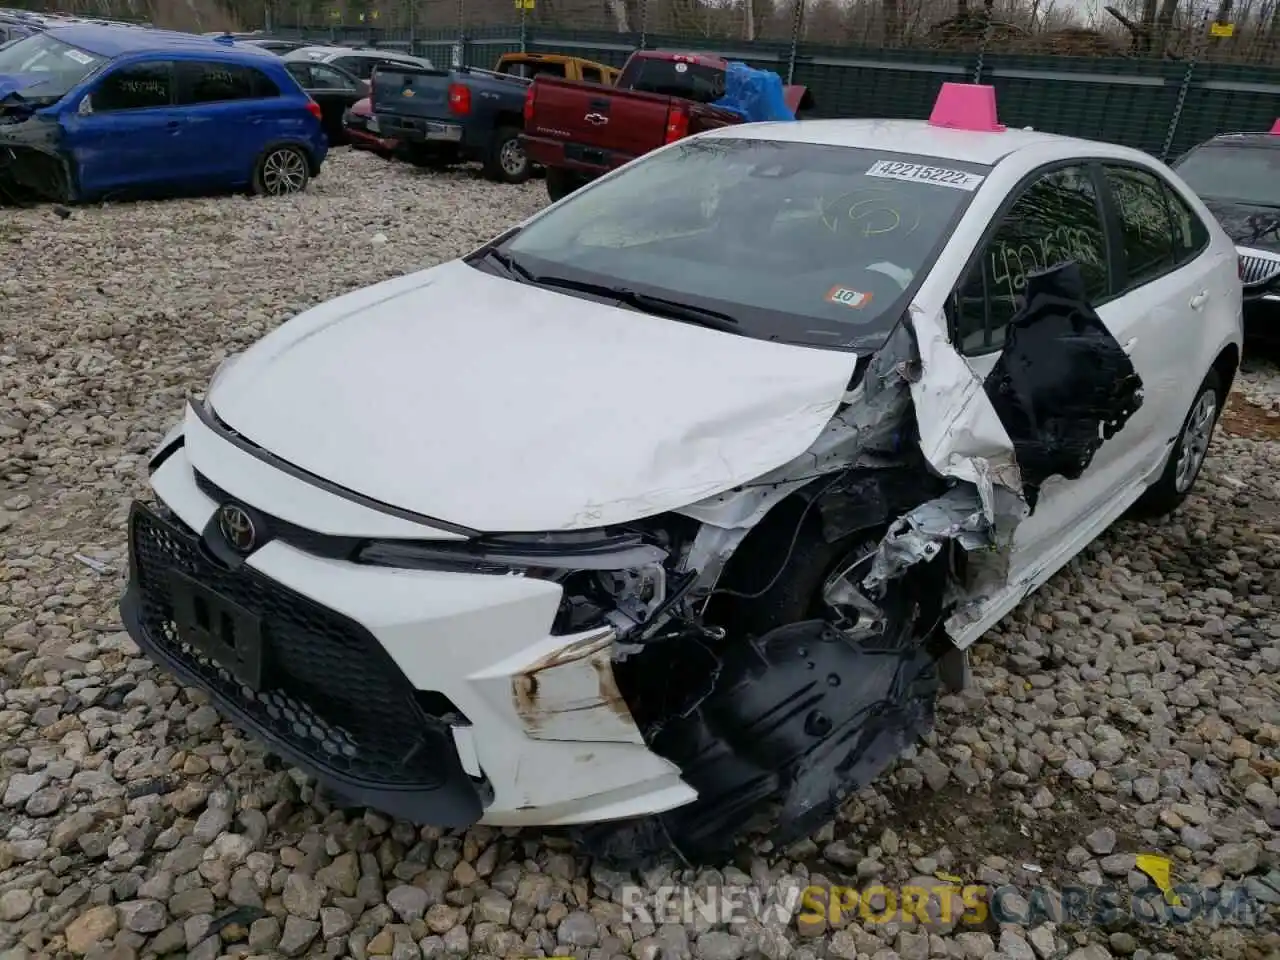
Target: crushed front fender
(33, 165)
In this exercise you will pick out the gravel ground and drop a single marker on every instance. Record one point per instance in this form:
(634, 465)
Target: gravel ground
(1132, 705)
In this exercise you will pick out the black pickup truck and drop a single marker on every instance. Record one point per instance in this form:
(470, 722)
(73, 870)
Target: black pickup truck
(442, 117)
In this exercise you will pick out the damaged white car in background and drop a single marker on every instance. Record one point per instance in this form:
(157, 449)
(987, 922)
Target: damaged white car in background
(683, 498)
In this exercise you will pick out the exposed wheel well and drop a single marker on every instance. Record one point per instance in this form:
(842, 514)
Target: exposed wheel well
(1226, 365)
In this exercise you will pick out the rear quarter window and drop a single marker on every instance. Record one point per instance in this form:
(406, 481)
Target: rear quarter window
(1190, 235)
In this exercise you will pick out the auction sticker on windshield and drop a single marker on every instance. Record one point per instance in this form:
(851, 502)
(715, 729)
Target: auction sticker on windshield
(849, 298)
(920, 173)
(81, 58)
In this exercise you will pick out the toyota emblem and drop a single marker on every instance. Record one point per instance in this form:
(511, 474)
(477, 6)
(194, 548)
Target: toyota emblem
(237, 527)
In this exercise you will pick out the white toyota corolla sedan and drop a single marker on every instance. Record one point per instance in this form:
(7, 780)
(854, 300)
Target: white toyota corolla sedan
(683, 498)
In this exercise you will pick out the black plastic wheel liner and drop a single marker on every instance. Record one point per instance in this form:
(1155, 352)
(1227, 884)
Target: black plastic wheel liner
(802, 717)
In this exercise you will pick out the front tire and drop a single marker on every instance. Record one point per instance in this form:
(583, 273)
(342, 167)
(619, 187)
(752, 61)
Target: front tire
(1188, 454)
(507, 161)
(281, 171)
(561, 183)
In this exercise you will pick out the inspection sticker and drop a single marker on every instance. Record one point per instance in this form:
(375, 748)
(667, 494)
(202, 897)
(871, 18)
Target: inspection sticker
(847, 297)
(919, 173)
(81, 58)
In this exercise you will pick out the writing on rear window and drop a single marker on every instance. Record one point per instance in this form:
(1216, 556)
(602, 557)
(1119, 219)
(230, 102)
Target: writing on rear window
(919, 173)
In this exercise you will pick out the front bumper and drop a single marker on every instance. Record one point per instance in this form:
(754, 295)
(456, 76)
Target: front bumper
(328, 700)
(363, 657)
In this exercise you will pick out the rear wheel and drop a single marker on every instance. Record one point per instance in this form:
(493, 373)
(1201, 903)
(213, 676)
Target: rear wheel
(281, 171)
(507, 162)
(1188, 454)
(561, 183)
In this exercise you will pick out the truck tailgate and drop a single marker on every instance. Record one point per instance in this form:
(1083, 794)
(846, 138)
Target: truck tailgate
(591, 115)
(410, 92)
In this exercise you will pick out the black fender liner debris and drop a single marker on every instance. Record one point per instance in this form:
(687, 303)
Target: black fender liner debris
(803, 716)
(33, 167)
(1062, 384)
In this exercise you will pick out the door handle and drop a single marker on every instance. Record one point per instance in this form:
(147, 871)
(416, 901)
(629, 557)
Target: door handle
(1199, 300)
(174, 124)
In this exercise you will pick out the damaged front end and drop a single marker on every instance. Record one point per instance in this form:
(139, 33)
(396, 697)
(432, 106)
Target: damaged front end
(33, 167)
(783, 642)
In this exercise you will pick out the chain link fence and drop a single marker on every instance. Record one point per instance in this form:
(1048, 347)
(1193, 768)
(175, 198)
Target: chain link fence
(1160, 75)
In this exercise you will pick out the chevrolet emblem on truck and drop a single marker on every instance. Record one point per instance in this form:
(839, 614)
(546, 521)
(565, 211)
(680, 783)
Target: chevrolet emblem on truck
(596, 118)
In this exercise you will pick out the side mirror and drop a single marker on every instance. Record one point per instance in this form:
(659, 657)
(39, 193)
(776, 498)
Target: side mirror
(86, 106)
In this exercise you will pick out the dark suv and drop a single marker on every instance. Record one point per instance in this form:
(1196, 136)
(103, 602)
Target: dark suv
(1237, 175)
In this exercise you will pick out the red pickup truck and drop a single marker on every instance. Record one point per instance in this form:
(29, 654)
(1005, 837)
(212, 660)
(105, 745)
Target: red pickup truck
(578, 131)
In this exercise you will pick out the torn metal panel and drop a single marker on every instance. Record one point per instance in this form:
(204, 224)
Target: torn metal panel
(32, 166)
(872, 429)
(571, 694)
(1061, 387)
(921, 534)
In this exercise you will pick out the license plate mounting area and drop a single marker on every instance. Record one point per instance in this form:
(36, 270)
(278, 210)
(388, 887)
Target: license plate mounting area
(218, 627)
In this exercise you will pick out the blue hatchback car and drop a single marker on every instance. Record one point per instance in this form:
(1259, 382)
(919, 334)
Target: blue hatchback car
(91, 111)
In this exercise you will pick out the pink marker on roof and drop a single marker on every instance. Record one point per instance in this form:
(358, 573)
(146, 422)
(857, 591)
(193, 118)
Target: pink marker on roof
(966, 106)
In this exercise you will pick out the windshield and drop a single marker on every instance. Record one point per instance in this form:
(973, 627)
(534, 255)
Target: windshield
(52, 68)
(805, 243)
(1234, 173)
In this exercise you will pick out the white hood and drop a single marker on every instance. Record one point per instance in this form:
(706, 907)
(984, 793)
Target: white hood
(510, 408)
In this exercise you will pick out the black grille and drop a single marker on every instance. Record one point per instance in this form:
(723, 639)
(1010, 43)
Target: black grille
(329, 691)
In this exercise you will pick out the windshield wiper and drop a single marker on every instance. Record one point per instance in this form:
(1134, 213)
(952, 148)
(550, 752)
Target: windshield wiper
(510, 264)
(647, 303)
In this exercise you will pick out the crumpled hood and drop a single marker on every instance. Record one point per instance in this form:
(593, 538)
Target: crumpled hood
(505, 407)
(1248, 225)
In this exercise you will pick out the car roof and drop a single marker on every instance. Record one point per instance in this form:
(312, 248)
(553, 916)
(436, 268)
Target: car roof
(917, 137)
(110, 40)
(328, 51)
(1253, 139)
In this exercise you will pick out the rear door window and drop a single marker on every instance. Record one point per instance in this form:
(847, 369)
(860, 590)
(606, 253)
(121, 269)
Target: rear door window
(327, 78)
(212, 82)
(1190, 235)
(592, 75)
(300, 72)
(136, 86)
(361, 67)
(675, 78)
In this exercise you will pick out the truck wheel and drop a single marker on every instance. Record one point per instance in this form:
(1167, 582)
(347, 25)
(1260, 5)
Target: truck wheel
(561, 183)
(506, 161)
